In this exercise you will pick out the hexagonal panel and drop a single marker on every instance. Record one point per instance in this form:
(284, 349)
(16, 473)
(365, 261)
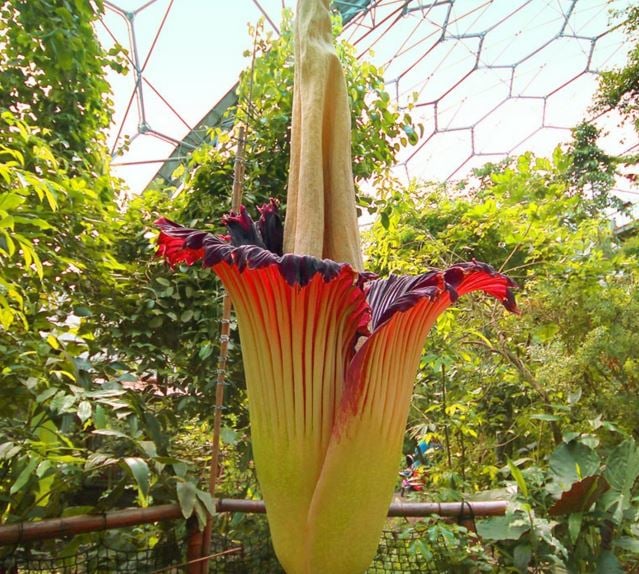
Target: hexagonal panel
(617, 136)
(588, 19)
(141, 150)
(391, 19)
(471, 17)
(508, 125)
(425, 115)
(476, 96)
(529, 47)
(474, 162)
(439, 158)
(414, 39)
(542, 142)
(441, 69)
(578, 94)
(525, 31)
(545, 71)
(611, 51)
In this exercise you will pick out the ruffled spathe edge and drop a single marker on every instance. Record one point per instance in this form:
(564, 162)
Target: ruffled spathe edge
(257, 246)
(178, 244)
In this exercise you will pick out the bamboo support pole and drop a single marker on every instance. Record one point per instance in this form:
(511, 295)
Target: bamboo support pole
(71, 525)
(466, 509)
(225, 333)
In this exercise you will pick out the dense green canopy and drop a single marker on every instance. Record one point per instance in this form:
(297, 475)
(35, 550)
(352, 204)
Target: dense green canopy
(108, 359)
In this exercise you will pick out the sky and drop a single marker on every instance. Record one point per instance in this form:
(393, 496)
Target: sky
(195, 61)
(491, 77)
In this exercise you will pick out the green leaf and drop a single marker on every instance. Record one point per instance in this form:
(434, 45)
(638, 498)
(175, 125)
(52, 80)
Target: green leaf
(24, 476)
(179, 468)
(509, 527)
(178, 172)
(104, 393)
(519, 478)
(572, 462)
(570, 436)
(574, 396)
(574, 525)
(205, 351)
(200, 512)
(82, 311)
(97, 459)
(140, 471)
(627, 543)
(622, 469)
(149, 448)
(99, 419)
(53, 342)
(420, 548)
(544, 417)
(207, 500)
(46, 394)
(7, 222)
(9, 450)
(622, 466)
(9, 201)
(84, 411)
(229, 436)
(110, 432)
(607, 563)
(521, 557)
(186, 493)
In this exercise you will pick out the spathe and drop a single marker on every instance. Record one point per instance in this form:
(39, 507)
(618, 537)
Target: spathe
(330, 357)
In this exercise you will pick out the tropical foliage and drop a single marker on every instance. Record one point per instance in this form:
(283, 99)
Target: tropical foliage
(108, 358)
(501, 394)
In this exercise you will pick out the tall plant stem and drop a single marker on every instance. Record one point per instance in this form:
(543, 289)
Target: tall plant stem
(225, 332)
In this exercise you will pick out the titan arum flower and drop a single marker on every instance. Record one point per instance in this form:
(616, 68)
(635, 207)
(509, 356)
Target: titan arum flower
(330, 352)
(330, 357)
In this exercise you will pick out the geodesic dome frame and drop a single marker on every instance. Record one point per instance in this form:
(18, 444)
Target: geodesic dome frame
(489, 79)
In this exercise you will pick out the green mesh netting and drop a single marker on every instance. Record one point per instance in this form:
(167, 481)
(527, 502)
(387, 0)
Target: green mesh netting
(244, 547)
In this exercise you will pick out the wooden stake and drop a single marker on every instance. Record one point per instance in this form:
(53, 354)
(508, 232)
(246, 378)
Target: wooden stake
(193, 546)
(225, 333)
